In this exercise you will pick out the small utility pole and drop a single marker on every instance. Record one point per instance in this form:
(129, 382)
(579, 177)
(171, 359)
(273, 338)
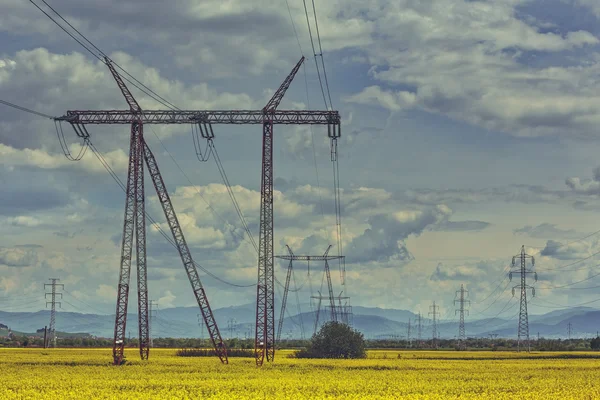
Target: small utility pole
(523, 330)
(462, 345)
(53, 304)
(153, 309)
(434, 311)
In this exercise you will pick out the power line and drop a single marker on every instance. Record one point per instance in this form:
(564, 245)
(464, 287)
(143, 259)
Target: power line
(232, 195)
(503, 276)
(294, 26)
(562, 267)
(152, 94)
(83, 302)
(25, 109)
(571, 284)
(152, 221)
(315, 54)
(210, 207)
(495, 300)
(321, 54)
(564, 306)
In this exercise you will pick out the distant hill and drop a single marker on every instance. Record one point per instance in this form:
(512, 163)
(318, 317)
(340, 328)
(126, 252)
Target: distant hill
(238, 321)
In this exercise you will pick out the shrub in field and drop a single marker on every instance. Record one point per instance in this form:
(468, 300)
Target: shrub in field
(335, 340)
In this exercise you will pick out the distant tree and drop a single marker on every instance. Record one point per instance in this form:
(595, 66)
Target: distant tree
(335, 340)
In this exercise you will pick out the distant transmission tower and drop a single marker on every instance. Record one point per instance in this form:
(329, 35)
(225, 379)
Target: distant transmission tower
(53, 303)
(152, 311)
(231, 326)
(434, 335)
(569, 330)
(419, 331)
(523, 330)
(461, 294)
(408, 334)
(201, 323)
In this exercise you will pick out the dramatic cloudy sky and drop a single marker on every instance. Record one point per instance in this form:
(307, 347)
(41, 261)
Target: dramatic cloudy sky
(469, 129)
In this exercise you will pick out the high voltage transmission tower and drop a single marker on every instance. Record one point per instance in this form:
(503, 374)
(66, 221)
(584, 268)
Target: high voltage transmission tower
(336, 313)
(569, 330)
(268, 116)
(419, 331)
(434, 333)
(152, 311)
(201, 325)
(408, 334)
(231, 327)
(53, 304)
(462, 301)
(523, 271)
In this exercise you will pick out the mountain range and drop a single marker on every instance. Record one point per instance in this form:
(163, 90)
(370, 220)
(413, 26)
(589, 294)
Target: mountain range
(373, 322)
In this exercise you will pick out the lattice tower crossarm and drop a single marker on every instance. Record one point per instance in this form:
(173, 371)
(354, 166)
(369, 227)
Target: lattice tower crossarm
(216, 117)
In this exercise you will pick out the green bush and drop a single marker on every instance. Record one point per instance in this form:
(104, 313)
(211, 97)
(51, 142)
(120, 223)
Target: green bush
(335, 340)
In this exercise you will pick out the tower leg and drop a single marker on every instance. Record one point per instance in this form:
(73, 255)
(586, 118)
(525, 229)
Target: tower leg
(126, 249)
(140, 235)
(265, 290)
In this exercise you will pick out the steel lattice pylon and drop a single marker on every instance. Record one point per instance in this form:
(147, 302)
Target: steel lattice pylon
(434, 332)
(53, 304)
(135, 219)
(267, 117)
(523, 328)
(462, 301)
(325, 257)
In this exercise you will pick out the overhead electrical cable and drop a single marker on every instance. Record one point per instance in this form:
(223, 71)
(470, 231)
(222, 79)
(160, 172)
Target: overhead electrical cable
(153, 222)
(321, 54)
(569, 284)
(562, 267)
(145, 89)
(210, 207)
(25, 109)
(561, 306)
(315, 54)
(148, 91)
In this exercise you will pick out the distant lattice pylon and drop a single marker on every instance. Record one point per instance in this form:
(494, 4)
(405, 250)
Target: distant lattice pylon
(523, 271)
(462, 301)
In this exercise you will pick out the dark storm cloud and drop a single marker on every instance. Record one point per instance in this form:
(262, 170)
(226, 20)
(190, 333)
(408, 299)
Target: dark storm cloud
(563, 251)
(383, 241)
(546, 230)
(17, 201)
(461, 226)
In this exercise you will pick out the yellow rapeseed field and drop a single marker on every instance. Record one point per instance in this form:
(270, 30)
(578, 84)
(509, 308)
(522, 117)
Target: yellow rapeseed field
(88, 374)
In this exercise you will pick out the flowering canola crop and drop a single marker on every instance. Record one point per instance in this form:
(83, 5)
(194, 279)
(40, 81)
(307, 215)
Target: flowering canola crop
(88, 374)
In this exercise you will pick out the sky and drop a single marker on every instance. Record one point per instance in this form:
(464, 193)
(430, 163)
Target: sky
(469, 129)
